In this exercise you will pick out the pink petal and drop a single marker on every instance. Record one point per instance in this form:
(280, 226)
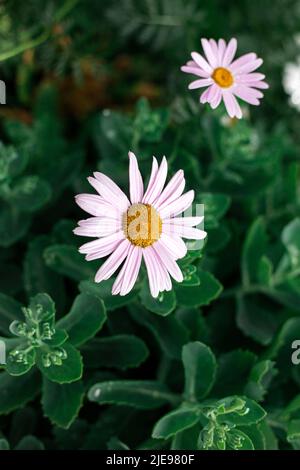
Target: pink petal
(203, 64)
(238, 111)
(249, 77)
(214, 103)
(185, 232)
(173, 244)
(248, 94)
(248, 67)
(178, 206)
(195, 70)
(96, 205)
(230, 52)
(200, 83)
(172, 191)
(222, 48)
(169, 263)
(152, 271)
(164, 282)
(152, 178)
(230, 103)
(212, 59)
(205, 95)
(158, 183)
(213, 93)
(261, 85)
(102, 244)
(135, 180)
(113, 262)
(97, 227)
(109, 190)
(187, 221)
(215, 49)
(241, 61)
(131, 270)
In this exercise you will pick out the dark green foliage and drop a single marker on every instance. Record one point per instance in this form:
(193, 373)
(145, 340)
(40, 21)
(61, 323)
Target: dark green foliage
(209, 364)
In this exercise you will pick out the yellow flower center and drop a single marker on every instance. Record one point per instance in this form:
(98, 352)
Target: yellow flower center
(142, 225)
(223, 77)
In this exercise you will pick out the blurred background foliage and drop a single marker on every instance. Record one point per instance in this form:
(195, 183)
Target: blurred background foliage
(208, 365)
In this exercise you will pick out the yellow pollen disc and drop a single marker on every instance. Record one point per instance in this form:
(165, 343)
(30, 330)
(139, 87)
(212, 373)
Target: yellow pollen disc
(223, 77)
(142, 225)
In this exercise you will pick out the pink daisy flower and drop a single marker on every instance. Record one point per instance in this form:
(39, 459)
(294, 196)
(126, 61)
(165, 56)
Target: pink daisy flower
(226, 79)
(144, 227)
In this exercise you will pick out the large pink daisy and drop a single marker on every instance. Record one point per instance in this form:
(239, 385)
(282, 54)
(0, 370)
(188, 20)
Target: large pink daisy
(224, 77)
(144, 227)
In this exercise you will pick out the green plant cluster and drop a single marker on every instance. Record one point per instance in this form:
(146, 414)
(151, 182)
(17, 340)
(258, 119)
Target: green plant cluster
(207, 365)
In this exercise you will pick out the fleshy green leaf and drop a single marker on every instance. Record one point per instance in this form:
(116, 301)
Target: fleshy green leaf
(30, 443)
(15, 392)
(143, 394)
(85, 319)
(103, 290)
(253, 250)
(62, 402)
(66, 260)
(69, 371)
(208, 290)
(200, 370)
(163, 305)
(174, 422)
(120, 351)
(168, 331)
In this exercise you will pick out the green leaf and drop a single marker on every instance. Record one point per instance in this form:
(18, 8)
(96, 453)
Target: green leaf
(30, 443)
(144, 394)
(208, 290)
(293, 431)
(259, 380)
(42, 309)
(38, 277)
(10, 310)
(270, 440)
(16, 368)
(4, 445)
(62, 402)
(265, 270)
(69, 371)
(252, 413)
(256, 320)
(238, 440)
(163, 305)
(175, 422)
(234, 369)
(290, 238)
(66, 260)
(115, 444)
(168, 331)
(253, 250)
(13, 225)
(215, 207)
(15, 392)
(255, 434)
(150, 124)
(30, 193)
(85, 319)
(186, 439)
(199, 369)
(103, 291)
(120, 351)
(12, 162)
